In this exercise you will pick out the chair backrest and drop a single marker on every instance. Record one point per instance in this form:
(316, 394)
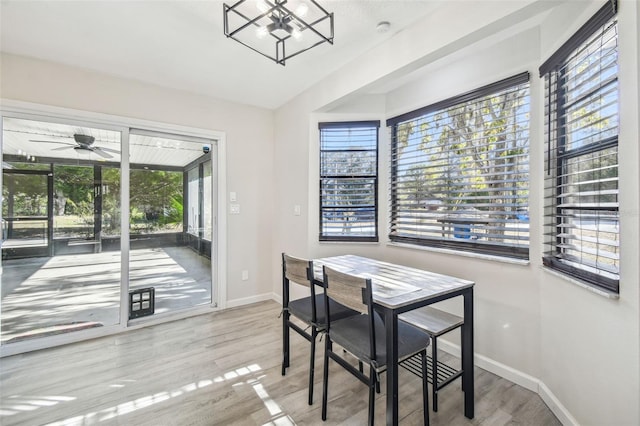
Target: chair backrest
(354, 293)
(348, 290)
(297, 270)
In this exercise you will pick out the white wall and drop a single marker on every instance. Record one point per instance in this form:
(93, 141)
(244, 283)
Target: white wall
(578, 349)
(590, 350)
(249, 147)
(581, 348)
(427, 41)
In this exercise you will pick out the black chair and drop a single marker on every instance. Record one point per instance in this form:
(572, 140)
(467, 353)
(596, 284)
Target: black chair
(364, 337)
(309, 310)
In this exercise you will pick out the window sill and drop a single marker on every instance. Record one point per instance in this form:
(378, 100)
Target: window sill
(582, 284)
(502, 259)
(368, 243)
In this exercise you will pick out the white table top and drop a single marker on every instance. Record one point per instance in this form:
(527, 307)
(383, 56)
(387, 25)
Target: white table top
(393, 285)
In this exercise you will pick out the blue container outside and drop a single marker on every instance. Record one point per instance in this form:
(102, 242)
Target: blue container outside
(462, 232)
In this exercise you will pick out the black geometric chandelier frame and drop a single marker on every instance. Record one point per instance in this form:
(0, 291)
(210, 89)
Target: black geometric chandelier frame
(278, 29)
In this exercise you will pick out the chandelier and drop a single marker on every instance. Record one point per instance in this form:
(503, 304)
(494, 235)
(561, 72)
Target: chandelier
(278, 29)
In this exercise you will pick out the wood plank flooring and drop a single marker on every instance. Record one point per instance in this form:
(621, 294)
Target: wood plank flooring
(223, 369)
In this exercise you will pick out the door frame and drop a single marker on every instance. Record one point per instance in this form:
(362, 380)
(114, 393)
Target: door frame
(48, 250)
(31, 111)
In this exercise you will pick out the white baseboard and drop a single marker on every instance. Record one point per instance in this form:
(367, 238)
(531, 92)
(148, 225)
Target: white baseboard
(556, 406)
(248, 300)
(518, 377)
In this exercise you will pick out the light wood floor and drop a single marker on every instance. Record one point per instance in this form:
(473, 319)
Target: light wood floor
(223, 369)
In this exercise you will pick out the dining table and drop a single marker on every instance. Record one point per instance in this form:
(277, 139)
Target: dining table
(398, 289)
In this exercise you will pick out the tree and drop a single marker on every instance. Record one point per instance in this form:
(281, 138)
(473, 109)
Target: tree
(467, 157)
(156, 198)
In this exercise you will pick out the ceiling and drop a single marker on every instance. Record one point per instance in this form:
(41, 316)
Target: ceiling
(30, 141)
(180, 44)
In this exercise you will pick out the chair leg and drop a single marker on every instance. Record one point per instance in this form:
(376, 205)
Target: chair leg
(314, 334)
(425, 388)
(461, 352)
(285, 342)
(434, 363)
(325, 377)
(372, 396)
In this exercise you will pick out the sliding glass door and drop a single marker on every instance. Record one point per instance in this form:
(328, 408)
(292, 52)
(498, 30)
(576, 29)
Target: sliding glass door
(57, 278)
(65, 266)
(170, 258)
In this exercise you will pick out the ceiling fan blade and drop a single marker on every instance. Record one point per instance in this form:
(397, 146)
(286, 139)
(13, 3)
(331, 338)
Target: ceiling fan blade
(56, 142)
(115, 151)
(54, 136)
(60, 148)
(101, 153)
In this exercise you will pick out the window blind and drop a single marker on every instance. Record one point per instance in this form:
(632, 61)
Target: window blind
(459, 172)
(349, 181)
(581, 185)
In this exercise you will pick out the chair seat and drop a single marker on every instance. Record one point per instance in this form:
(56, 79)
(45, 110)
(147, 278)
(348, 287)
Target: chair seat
(353, 335)
(432, 320)
(301, 308)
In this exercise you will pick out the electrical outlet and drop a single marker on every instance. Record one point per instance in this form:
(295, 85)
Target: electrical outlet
(234, 208)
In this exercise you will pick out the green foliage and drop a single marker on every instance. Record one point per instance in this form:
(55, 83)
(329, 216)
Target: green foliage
(110, 201)
(73, 186)
(173, 214)
(24, 195)
(156, 200)
(457, 158)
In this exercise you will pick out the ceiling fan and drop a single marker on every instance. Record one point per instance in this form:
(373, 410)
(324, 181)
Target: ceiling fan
(83, 143)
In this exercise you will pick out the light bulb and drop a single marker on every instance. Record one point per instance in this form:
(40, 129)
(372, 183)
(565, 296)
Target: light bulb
(261, 32)
(302, 10)
(296, 34)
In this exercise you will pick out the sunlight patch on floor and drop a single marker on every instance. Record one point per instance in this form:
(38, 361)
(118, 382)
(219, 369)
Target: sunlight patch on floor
(242, 371)
(278, 418)
(21, 403)
(131, 406)
(281, 421)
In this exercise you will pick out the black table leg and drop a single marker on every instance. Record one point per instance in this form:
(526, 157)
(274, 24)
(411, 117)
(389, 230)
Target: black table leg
(285, 341)
(467, 355)
(391, 325)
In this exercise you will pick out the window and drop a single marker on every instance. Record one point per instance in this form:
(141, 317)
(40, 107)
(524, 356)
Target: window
(459, 172)
(581, 185)
(349, 181)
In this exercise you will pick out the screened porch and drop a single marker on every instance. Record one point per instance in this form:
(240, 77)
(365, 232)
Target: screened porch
(81, 227)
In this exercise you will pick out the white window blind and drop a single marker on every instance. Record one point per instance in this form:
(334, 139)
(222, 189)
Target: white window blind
(581, 186)
(460, 169)
(349, 181)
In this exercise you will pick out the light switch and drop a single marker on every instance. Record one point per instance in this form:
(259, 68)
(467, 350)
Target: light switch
(233, 196)
(296, 210)
(234, 208)
(245, 275)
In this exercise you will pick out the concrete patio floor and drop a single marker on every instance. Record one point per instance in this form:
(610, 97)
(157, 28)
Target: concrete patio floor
(63, 293)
